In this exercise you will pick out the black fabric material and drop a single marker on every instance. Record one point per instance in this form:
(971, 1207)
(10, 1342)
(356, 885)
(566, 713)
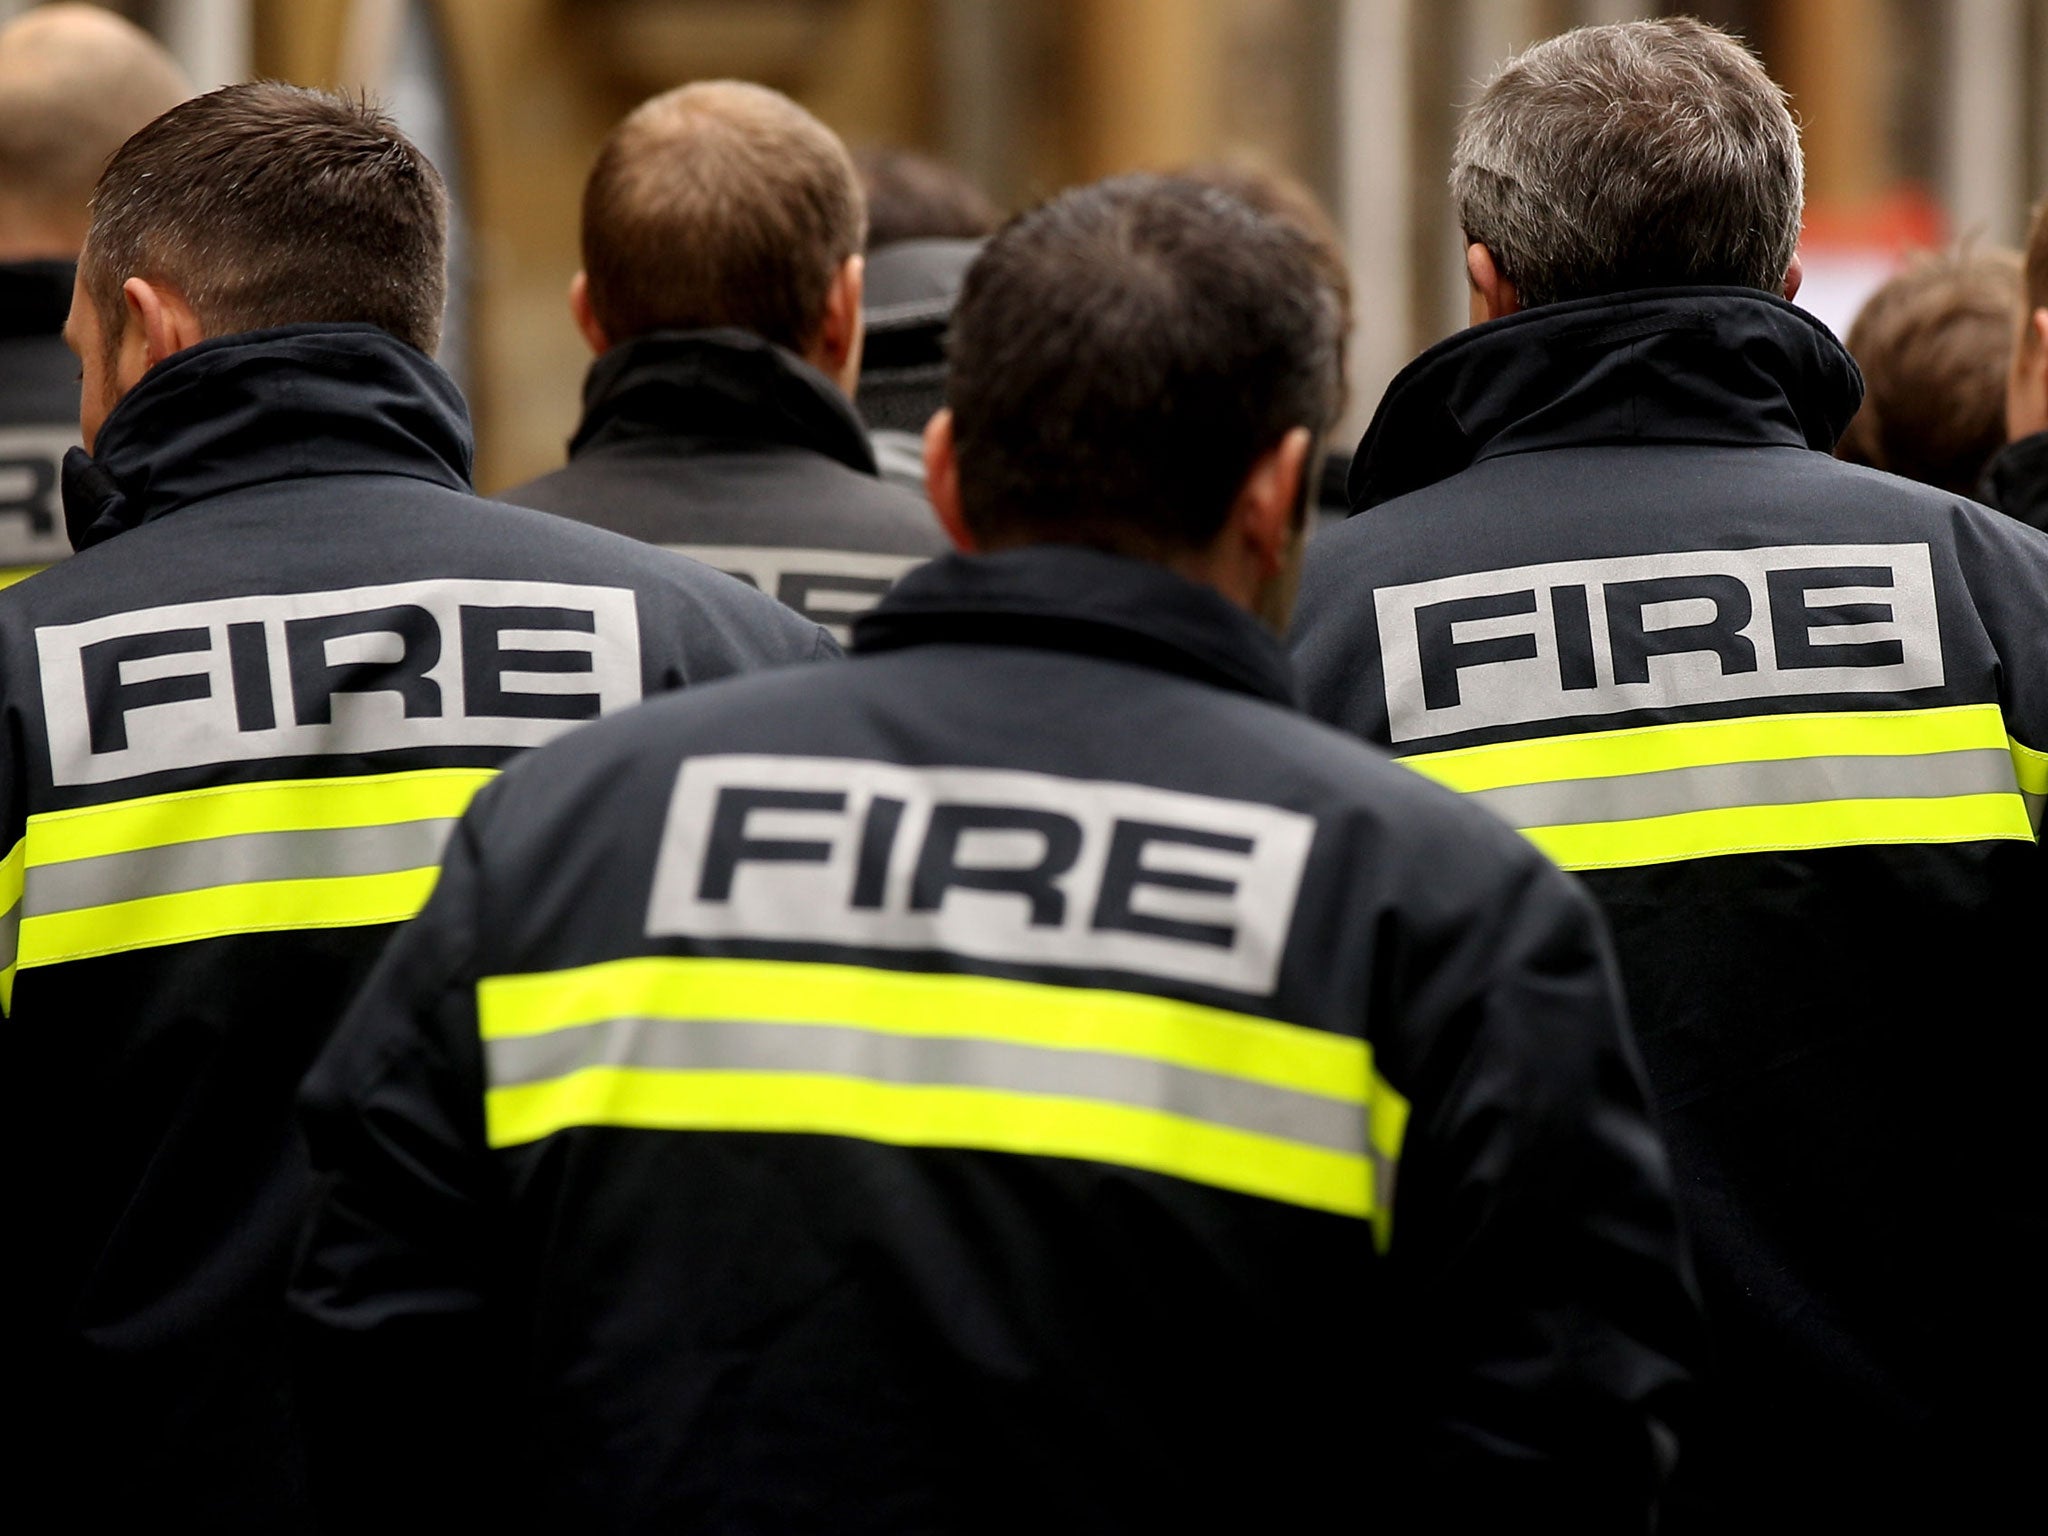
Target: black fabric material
(716, 384)
(38, 410)
(711, 441)
(1843, 1088)
(1680, 365)
(156, 1168)
(2016, 480)
(35, 298)
(1065, 597)
(282, 404)
(637, 1330)
(912, 286)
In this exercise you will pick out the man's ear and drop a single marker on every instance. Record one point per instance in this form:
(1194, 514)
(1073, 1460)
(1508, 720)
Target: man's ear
(836, 352)
(1268, 507)
(158, 324)
(585, 317)
(942, 481)
(1493, 295)
(1794, 276)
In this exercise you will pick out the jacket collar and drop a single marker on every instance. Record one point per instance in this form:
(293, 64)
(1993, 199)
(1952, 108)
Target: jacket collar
(717, 384)
(2016, 480)
(1063, 597)
(1669, 365)
(35, 297)
(279, 404)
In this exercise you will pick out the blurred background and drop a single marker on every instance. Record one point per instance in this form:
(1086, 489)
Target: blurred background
(1924, 121)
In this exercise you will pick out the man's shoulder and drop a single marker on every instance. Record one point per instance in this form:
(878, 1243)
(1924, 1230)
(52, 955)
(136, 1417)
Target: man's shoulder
(728, 494)
(255, 543)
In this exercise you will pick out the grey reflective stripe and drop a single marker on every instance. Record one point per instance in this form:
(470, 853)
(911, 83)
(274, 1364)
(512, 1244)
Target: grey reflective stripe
(701, 1045)
(238, 860)
(1786, 781)
(10, 934)
(2034, 806)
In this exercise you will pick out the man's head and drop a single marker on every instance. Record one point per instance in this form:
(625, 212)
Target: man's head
(1142, 366)
(255, 206)
(1283, 197)
(724, 204)
(74, 82)
(1649, 154)
(914, 197)
(2026, 390)
(1933, 345)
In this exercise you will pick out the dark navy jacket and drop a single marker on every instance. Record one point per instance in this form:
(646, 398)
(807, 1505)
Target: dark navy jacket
(1787, 718)
(235, 730)
(1028, 1079)
(38, 413)
(725, 447)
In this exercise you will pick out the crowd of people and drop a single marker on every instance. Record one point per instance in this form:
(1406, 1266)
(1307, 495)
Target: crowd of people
(896, 947)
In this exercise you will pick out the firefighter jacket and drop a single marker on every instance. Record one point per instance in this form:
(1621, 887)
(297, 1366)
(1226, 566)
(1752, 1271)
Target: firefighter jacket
(1786, 718)
(238, 726)
(38, 413)
(726, 447)
(2016, 480)
(1034, 1081)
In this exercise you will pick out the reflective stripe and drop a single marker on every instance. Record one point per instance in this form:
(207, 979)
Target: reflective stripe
(245, 858)
(2031, 768)
(1698, 789)
(1799, 780)
(714, 1045)
(1270, 1109)
(10, 917)
(252, 856)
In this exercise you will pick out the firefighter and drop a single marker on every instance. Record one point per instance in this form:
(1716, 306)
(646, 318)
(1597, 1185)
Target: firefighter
(1785, 716)
(239, 723)
(1036, 1080)
(721, 294)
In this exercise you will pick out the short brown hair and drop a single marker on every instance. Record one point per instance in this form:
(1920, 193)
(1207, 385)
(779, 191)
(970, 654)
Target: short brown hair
(1122, 355)
(1933, 344)
(267, 204)
(719, 204)
(914, 197)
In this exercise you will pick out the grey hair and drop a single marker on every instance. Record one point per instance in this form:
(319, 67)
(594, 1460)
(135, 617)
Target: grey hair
(1640, 155)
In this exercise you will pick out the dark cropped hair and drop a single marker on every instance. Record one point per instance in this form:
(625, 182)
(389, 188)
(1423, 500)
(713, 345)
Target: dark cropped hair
(1123, 354)
(267, 204)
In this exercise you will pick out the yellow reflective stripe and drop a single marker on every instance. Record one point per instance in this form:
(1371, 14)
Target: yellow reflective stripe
(1765, 828)
(211, 830)
(2030, 766)
(948, 1007)
(266, 906)
(227, 810)
(10, 574)
(919, 1003)
(11, 869)
(10, 914)
(979, 1118)
(1703, 743)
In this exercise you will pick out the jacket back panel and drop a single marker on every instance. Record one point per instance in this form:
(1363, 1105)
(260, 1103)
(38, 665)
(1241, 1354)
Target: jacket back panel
(748, 1331)
(1784, 717)
(238, 735)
